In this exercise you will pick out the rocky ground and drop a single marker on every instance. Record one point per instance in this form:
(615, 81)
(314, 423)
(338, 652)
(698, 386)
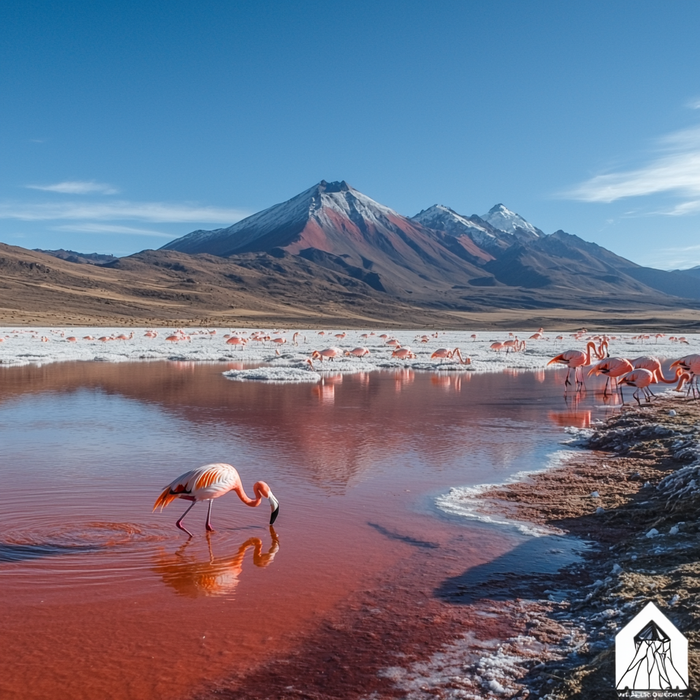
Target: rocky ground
(636, 498)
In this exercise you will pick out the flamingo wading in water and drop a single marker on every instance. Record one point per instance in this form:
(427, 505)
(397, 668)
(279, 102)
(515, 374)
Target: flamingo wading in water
(576, 360)
(209, 482)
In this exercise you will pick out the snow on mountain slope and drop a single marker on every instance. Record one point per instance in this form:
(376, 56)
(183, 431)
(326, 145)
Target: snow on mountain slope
(504, 219)
(442, 218)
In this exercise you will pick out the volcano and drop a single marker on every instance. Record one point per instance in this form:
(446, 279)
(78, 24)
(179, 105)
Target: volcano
(335, 226)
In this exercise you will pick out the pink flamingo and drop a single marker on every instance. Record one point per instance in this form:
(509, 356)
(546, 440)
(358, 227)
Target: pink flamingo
(72, 339)
(574, 359)
(328, 353)
(235, 340)
(279, 341)
(640, 379)
(403, 354)
(357, 352)
(612, 368)
(445, 354)
(691, 365)
(497, 346)
(209, 482)
(654, 366)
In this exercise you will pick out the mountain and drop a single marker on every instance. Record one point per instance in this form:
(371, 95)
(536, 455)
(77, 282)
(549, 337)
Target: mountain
(81, 258)
(694, 271)
(504, 219)
(338, 227)
(479, 232)
(439, 256)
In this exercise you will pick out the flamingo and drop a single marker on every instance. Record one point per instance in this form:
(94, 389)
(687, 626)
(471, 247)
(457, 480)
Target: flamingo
(403, 354)
(444, 353)
(612, 368)
(330, 353)
(641, 379)
(236, 340)
(497, 346)
(654, 366)
(575, 359)
(209, 482)
(357, 352)
(690, 364)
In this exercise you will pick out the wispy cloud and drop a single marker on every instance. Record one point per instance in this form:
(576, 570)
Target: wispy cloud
(675, 169)
(109, 229)
(157, 212)
(76, 187)
(694, 103)
(681, 257)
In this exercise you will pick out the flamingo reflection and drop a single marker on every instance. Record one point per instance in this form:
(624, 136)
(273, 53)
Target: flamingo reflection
(403, 377)
(191, 576)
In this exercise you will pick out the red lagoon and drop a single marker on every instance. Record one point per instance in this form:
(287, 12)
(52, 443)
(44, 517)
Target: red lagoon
(104, 599)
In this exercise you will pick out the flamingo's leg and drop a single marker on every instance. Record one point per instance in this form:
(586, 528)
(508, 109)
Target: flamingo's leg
(637, 397)
(605, 391)
(567, 381)
(179, 522)
(208, 526)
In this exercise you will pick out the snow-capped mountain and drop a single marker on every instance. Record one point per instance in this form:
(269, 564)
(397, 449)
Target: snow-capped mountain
(437, 257)
(504, 219)
(442, 218)
(333, 224)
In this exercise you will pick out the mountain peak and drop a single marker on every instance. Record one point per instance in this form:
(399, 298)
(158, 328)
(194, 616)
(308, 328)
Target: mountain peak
(336, 186)
(502, 218)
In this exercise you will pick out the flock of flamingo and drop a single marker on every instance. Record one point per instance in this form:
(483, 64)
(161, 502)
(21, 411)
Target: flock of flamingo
(639, 373)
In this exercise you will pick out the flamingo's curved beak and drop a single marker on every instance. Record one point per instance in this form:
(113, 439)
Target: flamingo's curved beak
(274, 508)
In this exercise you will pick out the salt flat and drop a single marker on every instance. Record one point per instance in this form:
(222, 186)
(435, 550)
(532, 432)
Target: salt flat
(285, 360)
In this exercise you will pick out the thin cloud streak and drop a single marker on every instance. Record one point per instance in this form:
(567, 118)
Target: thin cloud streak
(76, 187)
(157, 212)
(109, 229)
(677, 171)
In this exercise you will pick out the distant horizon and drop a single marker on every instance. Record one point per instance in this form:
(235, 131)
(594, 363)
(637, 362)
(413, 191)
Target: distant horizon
(124, 129)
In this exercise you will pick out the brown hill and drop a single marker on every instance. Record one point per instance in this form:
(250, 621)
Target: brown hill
(168, 288)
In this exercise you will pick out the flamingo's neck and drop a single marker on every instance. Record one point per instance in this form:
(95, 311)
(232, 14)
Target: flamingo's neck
(252, 502)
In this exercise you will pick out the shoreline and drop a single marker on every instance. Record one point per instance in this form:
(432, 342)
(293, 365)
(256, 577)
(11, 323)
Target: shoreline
(643, 464)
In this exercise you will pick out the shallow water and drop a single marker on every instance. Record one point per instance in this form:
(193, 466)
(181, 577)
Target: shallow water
(103, 598)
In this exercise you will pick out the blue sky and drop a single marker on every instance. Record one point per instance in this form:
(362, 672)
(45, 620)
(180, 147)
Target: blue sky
(124, 125)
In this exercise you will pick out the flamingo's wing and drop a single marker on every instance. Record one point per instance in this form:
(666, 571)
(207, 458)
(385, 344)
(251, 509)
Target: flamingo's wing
(193, 482)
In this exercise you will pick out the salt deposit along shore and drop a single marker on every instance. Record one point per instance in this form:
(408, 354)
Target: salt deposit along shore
(634, 495)
(286, 352)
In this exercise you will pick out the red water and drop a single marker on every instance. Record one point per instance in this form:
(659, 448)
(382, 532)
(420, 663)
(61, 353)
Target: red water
(103, 599)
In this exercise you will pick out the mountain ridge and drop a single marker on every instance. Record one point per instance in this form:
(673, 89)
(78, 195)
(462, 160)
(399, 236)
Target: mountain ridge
(434, 252)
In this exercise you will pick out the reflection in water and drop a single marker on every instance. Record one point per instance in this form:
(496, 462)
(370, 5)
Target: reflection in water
(402, 378)
(576, 418)
(194, 578)
(449, 382)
